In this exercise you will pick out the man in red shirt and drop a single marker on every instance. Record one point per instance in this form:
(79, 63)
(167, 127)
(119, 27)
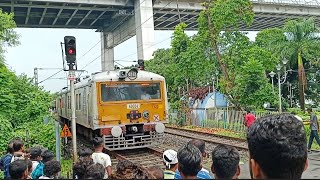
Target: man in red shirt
(249, 119)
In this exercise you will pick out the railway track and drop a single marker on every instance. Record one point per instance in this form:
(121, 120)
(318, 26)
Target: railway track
(211, 138)
(174, 139)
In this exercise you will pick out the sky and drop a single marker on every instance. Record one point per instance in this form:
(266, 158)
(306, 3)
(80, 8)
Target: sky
(40, 48)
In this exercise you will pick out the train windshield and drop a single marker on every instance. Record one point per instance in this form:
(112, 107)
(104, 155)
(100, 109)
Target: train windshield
(130, 91)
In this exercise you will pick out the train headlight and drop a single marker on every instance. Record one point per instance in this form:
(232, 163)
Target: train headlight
(116, 131)
(160, 127)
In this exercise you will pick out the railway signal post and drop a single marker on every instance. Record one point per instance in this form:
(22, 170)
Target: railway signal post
(70, 52)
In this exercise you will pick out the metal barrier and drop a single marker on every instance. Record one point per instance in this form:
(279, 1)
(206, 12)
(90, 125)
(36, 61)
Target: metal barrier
(213, 118)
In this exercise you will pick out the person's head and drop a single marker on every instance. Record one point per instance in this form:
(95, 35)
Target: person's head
(170, 159)
(18, 169)
(277, 147)
(309, 110)
(47, 155)
(51, 168)
(18, 145)
(95, 171)
(201, 145)
(248, 111)
(80, 167)
(29, 164)
(127, 170)
(35, 154)
(156, 171)
(85, 152)
(98, 143)
(225, 162)
(189, 161)
(10, 148)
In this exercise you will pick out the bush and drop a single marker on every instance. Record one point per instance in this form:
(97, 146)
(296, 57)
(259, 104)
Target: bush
(6, 133)
(36, 133)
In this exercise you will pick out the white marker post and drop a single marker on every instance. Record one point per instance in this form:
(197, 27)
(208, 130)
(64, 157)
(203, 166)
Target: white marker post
(73, 116)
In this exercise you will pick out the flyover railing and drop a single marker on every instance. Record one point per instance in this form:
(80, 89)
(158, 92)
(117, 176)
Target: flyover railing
(289, 2)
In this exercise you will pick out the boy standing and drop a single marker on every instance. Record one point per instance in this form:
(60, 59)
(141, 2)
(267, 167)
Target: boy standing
(99, 157)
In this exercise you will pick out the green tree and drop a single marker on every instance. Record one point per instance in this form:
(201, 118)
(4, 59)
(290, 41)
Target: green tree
(220, 22)
(253, 88)
(8, 37)
(298, 42)
(302, 42)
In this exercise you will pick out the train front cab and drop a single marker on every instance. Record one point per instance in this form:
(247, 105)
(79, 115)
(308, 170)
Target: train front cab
(132, 113)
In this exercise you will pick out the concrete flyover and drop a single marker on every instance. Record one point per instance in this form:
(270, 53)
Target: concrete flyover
(118, 20)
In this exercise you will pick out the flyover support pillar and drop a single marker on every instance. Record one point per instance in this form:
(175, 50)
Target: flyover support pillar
(144, 28)
(107, 51)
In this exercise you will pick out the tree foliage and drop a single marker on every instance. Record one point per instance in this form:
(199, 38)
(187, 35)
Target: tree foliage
(8, 37)
(299, 42)
(22, 104)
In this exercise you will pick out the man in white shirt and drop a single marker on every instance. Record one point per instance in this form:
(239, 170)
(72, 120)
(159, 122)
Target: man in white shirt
(99, 157)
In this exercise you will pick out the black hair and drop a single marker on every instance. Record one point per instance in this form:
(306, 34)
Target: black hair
(51, 168)
(278, 144)
(309, 109)
(47, 155)
(225, 161)
(80, 167)
(248, 111)
(97, 141)
(83, 152)
(95, 171)
(10, 148)
(200, 144)
(17, 169)
(35, 152)
(156, 171)
(189, 160)
(17, 145)
(29, 164)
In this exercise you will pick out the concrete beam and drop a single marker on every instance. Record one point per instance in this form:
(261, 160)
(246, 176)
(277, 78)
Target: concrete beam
(107, 52)
(58, 7)
(28, 14)
(96, 2)
(85, 17)
(73, 14)
(144, 29)
(122, 33)
(182, 5)
(278, 9)
(43, 14)
(97, 18)
(58, 15)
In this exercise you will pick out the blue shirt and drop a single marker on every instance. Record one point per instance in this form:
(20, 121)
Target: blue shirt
(202, 174)
(38, 172)
(6, 160)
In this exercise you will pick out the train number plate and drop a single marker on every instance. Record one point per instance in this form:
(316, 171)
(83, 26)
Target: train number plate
(133, 106)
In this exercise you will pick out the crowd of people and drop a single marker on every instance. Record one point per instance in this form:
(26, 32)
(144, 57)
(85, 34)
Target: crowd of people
(277, 149)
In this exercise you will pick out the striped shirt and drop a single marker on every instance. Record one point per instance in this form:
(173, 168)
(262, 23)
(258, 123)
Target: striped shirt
(202, 174)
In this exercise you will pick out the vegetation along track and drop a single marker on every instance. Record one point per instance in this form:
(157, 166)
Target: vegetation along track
(211, 138)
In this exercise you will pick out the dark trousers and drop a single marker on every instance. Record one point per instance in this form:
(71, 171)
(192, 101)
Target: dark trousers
(313, 134)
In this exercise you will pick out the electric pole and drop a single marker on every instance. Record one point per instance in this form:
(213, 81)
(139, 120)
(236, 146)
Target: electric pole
(36, 76)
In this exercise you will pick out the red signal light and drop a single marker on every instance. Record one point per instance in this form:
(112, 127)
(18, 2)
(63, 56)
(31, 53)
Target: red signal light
(71, 51)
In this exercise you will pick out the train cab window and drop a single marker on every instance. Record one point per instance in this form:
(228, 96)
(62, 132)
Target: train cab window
(130, 91)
